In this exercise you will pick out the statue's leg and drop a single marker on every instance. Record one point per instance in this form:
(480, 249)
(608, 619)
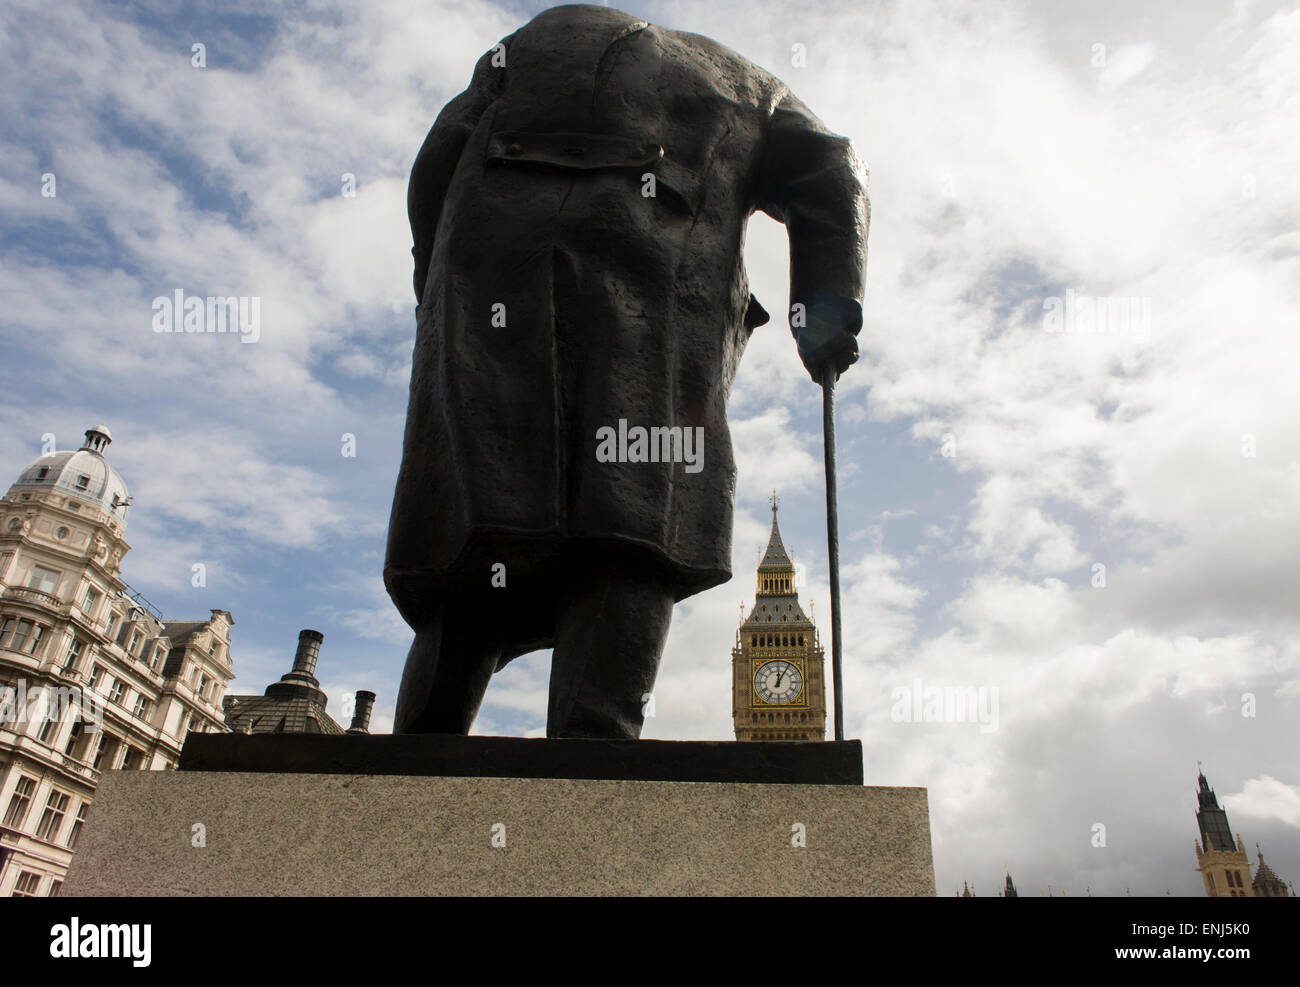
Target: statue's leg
(609, 637)
(447, 671)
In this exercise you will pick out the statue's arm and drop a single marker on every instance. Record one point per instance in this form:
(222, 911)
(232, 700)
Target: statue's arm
(813, 181)
(436, 163)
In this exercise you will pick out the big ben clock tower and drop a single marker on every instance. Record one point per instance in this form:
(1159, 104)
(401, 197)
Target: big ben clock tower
(778, 685)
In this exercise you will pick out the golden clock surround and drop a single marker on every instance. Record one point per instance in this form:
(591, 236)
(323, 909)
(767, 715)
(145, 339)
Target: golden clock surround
(758, 702)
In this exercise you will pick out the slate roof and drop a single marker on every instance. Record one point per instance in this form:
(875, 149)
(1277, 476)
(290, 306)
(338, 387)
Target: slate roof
(776, 556)
(272, 714)
(179, 633)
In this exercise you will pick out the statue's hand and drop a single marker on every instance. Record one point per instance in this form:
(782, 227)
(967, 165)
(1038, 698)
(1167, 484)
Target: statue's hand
(829, 336)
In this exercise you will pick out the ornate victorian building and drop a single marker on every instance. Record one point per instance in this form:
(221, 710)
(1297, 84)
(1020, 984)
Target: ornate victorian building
(92, 678)
(778, 681)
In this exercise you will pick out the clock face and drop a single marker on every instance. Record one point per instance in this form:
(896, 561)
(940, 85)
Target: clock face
(778, 682)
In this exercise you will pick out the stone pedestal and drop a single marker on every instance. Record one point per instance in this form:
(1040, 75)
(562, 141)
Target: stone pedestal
(215, 833)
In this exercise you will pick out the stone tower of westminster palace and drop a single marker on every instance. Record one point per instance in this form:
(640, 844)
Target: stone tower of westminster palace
(1223, 864)
(778, 685)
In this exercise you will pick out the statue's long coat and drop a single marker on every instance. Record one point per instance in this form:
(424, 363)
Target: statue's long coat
(530, 206)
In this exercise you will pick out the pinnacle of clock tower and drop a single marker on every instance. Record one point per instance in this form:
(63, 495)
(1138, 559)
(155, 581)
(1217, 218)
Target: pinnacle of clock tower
(776, 556)
(778, 687)
(776, 599)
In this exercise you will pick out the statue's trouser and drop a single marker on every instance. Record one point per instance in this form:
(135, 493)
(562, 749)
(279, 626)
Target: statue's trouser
(610, 621)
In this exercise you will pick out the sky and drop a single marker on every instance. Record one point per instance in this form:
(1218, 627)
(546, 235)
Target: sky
(1089, 520)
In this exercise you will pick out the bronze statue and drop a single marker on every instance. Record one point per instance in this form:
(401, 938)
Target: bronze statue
(567, 474)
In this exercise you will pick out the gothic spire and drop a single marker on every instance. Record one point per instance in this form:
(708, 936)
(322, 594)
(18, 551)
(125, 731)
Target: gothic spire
(1213, 820)
(776, 556)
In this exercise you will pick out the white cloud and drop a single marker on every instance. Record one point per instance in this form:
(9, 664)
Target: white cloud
(1266, 797)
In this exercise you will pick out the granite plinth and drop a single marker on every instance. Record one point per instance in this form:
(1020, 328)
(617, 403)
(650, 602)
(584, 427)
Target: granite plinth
(344, 835)
(791, 763)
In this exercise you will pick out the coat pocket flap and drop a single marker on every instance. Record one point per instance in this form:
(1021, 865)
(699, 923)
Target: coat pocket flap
(584, 152)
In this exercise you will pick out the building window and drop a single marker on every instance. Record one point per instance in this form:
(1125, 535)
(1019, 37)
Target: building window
(83, 482)
(143, 707)
(89, 600)
(27, 885)
(74, 834)
(131, 759)
(184, 724)
(55, 888)
(204, 682)
(158, 654)
(50, 728)
(112, 622)
(43, 579)
(73, 657)
(118, 692)
(52, 819)
(74, 737)
(96, 673)
(107, 748)
(21, 635)
(21, 799)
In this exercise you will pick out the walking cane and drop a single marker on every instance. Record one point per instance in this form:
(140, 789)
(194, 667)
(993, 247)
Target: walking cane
(829, 373)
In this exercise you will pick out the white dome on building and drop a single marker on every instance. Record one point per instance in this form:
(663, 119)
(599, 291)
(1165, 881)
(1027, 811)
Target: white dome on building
(83, 473)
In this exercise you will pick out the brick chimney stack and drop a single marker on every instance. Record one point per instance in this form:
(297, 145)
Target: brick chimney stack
(365, 703)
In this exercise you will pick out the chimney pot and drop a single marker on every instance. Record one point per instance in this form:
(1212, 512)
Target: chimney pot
(365, 703)
(304, 661)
